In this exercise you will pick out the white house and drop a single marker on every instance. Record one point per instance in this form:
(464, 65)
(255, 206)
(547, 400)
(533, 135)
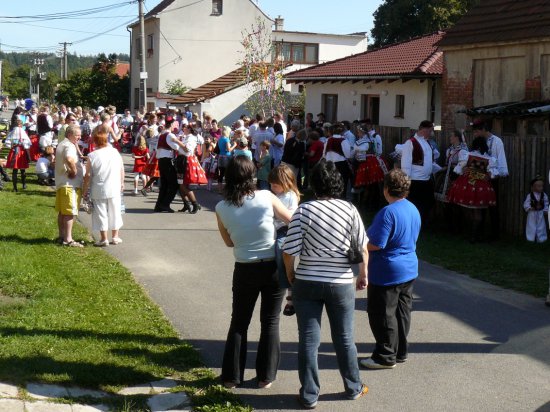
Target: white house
(398, 85)
(199, 42)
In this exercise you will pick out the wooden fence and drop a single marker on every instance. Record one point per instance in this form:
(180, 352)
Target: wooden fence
(527, 155)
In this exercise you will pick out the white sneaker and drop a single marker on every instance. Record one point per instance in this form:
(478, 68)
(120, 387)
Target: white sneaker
(369, 363)
(116, 241)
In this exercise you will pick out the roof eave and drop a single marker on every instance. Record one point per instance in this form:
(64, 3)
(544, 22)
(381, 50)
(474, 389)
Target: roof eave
(410, 76)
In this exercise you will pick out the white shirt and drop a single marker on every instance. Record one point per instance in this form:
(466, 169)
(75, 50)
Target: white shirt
(106, 171)
(377, 142)
(350, 137)
(496, 150)
(290, 200)
(260, 136)
(275, 151)
(337, 157)
(190, 142)
(463, 157)
(416, 172)
(67, 149)
(42, 165)
(170, 141)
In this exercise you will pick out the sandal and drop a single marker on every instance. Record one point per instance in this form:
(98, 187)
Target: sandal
(73, 243)
(101, 243)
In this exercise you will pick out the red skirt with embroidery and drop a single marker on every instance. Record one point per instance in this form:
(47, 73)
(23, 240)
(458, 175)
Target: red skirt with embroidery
(17, 158)
(151, 169)
(194, 174)
(370, 171)
(472, 192)
(35, 147)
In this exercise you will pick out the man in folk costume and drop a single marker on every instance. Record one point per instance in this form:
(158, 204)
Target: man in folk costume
(44, 127)
(496, 150)
(167, 143)
(417, 163)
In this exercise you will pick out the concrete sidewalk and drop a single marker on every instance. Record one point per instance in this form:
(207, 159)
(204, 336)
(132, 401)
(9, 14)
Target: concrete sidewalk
(474, 346)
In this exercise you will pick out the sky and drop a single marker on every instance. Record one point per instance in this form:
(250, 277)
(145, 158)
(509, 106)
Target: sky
(105, 32)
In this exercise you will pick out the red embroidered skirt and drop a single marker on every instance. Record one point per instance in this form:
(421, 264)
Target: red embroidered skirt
(370, 171)
(151, 169)
(35, 147)
(17, 158)
(194, 174)
(473, 193)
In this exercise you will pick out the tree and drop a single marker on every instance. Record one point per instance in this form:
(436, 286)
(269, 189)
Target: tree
(176, 87)
(399, 20)
(263, 76)
(99, 85)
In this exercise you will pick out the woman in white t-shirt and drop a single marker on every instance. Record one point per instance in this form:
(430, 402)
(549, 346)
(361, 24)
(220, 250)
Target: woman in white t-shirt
(105, 178)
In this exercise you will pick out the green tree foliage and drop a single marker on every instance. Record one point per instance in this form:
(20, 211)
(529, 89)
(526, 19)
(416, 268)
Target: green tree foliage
(99, 85)
(175, 87)
(398, 20)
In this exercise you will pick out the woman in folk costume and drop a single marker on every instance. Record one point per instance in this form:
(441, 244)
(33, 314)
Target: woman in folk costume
(371, 167)
(473, 189)
(536, 206)
(18, 158)
(445, 178)
(338, 150)
(189, 170)
(151, 169)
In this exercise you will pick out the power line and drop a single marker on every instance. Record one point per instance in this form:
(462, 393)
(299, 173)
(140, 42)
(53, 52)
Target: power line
(72, 14)
(75, 31)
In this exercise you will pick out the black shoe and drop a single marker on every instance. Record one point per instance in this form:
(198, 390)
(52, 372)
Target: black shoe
(401, 359)
(186, 207)
(195, 209)
(24, 186)
(163, 210)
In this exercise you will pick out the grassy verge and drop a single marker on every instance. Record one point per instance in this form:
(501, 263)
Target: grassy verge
(76, 317)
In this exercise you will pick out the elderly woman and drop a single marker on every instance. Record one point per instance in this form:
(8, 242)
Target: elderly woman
(393, 267)
(320, 233)
(105, 179)
(255, 271)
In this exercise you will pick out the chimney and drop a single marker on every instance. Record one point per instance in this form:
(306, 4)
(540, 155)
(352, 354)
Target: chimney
(279, 23)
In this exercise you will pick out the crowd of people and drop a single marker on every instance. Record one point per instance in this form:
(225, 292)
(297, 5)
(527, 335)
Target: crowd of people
(260, 167)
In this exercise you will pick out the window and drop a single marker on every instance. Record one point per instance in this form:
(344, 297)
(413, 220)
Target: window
(297, 52)
(400, 105)
(329, 106)
(150, 44)
(217, 7)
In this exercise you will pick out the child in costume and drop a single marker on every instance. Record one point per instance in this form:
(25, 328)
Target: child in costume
(536, 206)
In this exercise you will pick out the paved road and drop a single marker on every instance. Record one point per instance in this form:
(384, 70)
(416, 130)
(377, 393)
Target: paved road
(474, 346)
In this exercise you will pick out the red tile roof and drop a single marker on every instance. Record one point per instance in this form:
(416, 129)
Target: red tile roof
(418, 57)
(122, 69)
(501, 20)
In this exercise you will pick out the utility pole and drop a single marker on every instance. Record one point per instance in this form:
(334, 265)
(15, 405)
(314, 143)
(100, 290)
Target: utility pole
(65, 71)
(142, 69)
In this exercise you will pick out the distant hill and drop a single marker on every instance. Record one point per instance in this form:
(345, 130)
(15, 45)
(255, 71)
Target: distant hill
(52, 63)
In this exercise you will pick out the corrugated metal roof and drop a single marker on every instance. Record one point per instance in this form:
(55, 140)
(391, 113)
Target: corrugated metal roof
(214, 88)
(501, 20)
(419, 56)
(512, 109)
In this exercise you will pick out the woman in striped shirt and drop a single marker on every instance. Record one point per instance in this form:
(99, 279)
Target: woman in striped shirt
(319, 233)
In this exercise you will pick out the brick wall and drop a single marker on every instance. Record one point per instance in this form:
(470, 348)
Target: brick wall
(457, 95)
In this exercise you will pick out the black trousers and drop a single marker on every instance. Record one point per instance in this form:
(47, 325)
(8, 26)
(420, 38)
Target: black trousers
(389, 310)
(421, 194)
(168, 184)
(251, 280)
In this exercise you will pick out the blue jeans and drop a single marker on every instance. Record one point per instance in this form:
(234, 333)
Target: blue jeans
(339, 299)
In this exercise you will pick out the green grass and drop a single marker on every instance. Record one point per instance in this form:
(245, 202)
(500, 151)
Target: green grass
(511, 262)
(76, 316)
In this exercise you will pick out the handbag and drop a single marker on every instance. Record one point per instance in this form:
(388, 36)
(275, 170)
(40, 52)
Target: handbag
(355, 254)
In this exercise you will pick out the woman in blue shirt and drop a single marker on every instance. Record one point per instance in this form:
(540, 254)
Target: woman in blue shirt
(392, 269)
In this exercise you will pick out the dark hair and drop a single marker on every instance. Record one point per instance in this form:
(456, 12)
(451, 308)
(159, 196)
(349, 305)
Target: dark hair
(480, 144)
(314, 135)
(326, 180)
(425, 124)
(346, 124)
(239, 178)
(481, 125)
(191, 129)
(397, 183)
(278, 128)
(337, 128)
